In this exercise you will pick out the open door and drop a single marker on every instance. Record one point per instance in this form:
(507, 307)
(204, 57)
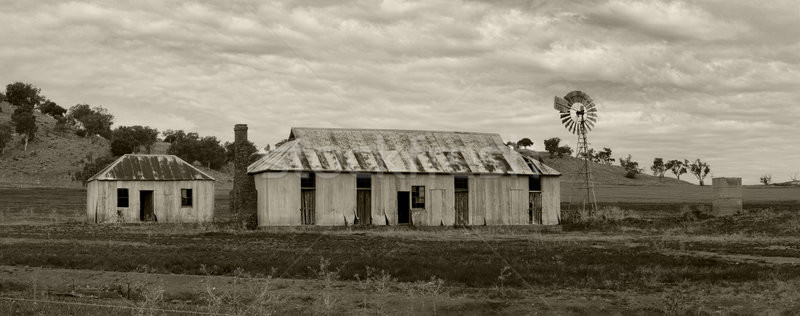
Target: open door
(146, 212)
(403, 211)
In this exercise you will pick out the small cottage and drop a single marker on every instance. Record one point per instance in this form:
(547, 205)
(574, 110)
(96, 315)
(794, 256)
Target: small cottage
(156, 188)
(333, 177)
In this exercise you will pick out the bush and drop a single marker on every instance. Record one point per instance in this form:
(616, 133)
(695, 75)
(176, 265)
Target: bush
(92, 167)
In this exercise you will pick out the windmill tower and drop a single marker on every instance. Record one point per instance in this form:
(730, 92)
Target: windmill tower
(579, 114)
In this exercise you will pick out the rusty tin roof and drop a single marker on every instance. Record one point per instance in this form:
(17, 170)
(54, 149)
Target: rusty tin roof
(135, 167)
(406, 151)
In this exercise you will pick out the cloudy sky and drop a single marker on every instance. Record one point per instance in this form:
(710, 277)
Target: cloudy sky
(717, 80)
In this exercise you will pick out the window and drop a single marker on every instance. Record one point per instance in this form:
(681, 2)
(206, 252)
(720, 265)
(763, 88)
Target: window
(186, 197)
(307, 181)
(417, 197)
(534, 183)
(122, 197)
(363, 181)
(461, 183)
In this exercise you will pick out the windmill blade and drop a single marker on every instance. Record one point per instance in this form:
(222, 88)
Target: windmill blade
(563, 115)
(589, 106)
(561, 105)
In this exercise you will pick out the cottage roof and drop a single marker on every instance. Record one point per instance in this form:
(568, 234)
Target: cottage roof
(135, 167)
(384, 150)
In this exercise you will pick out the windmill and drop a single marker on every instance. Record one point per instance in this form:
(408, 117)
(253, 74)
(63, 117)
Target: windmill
(579, 115)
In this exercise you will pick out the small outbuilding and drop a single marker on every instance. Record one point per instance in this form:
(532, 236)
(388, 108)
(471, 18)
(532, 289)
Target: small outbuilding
(158, 188)
(332, 177)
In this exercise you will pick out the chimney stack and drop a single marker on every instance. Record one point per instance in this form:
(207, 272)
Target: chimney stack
(243, 196)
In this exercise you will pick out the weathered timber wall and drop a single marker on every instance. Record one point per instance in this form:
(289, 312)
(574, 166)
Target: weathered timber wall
(101, 197)
(493, 200)
(278, 198)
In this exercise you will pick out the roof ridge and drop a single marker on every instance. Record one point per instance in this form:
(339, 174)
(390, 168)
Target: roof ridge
(391, 130)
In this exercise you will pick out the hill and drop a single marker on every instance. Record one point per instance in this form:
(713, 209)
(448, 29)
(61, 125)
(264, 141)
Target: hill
(601, 174)
(54, 157)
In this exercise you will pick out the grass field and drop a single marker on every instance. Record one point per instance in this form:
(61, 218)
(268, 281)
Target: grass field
(620, 262)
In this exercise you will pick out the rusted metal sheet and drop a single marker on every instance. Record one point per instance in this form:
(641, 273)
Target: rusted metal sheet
(374, 150)
(150, 168)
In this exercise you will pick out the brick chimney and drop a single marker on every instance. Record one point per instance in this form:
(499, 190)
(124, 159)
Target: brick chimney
(243, 196)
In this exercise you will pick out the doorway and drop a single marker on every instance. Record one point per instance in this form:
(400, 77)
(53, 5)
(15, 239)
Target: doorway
(462, 200)
(146, 212)
(308, 185)
(363, 199)
(403, 212)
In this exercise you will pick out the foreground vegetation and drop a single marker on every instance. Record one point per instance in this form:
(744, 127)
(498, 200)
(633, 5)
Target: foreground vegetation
(640, 258)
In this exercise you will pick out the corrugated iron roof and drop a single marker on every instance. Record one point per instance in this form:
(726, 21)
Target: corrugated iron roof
(150, 168)
(407, 151)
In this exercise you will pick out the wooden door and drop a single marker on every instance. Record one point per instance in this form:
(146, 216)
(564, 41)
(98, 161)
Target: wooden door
(403, 211)
(307, 207)
(462, 208)
(535, 208)
(364, 207)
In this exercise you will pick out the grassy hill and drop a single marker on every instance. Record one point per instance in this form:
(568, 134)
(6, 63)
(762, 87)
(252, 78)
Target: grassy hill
(601, 174)
(54, 157)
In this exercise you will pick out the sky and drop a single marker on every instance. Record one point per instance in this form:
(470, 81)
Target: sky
(715, 80)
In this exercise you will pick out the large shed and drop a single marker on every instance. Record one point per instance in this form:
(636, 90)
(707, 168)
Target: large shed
(138, 188)
(326, 176)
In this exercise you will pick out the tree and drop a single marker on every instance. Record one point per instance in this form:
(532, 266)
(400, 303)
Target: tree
(551, 146)
(5, 136)
(631, 167)
(658, 167)
(94, 120)
(128, 140)
(51, 108)
(524, 143)
(700, 170)
(591, 155)
(766, 179)
(794, 176)
(604, 156)
(92, 167)
(170, 135)
(250, 150)
(513, 145)
(677, 167)
(23, 94)
(564, 151)
(190, 147)
(25, 123)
